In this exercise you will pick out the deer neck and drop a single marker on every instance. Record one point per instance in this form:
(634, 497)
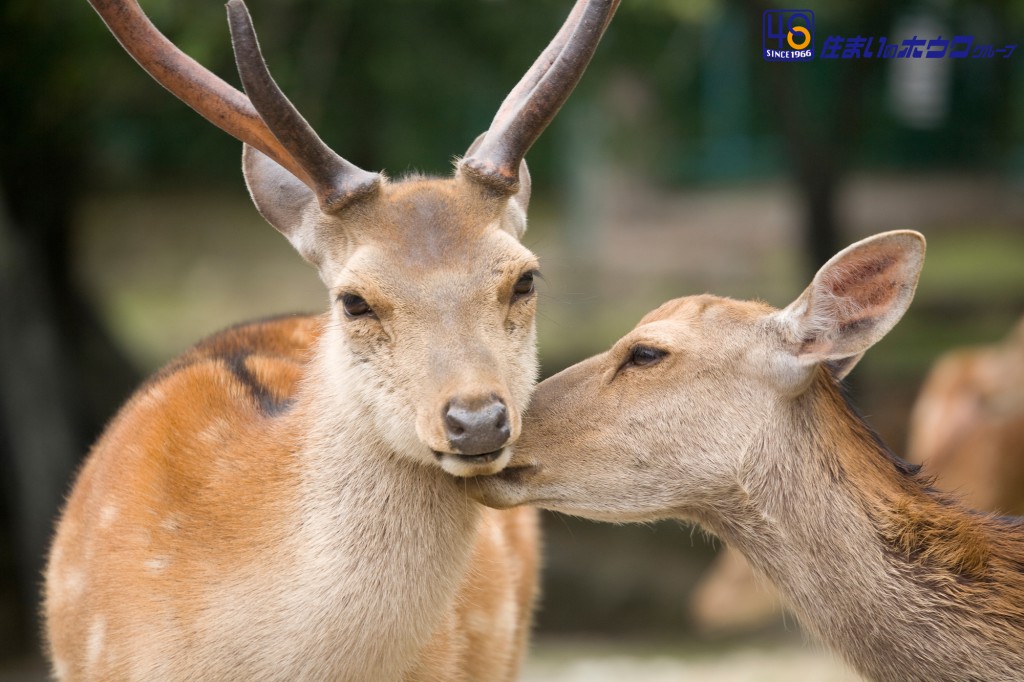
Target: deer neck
(903, 584)
(385, 539)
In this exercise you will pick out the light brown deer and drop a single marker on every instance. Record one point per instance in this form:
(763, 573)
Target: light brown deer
(966, 431)
(967, 426)
(278, 503)
(729, 414)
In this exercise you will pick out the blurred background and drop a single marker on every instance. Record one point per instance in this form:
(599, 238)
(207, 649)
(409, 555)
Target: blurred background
(683, 163)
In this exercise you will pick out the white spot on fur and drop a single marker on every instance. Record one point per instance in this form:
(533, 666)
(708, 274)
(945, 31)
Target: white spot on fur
(157, 564)
(73, 584)
(60, 668)
(217, 431)
(154, 397)
(107, 515)
(171, 524)
(94, 645)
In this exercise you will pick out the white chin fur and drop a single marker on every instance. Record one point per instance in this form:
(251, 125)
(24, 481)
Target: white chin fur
(457, 466)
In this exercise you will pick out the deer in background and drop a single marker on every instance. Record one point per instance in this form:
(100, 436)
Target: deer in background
(282, 502)
(729, 414)
(967, 426)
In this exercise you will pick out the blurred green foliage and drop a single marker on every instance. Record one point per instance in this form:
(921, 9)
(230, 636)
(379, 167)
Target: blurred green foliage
(406, 84)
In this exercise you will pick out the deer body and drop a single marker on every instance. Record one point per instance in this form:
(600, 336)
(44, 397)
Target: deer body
(283, 502)
(967, 426)
(966, 431)
(903, 583)
(326, 556)
(729, 414)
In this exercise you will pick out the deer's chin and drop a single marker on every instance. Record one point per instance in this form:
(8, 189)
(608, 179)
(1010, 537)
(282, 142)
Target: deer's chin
(468, 466)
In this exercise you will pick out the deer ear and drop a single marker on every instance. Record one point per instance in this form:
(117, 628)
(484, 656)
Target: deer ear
(515, 214)
(843, 366)
(285, 202)
(854, 300)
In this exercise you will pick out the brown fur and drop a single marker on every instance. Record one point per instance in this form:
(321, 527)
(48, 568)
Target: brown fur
(967, 433)
(978, 555)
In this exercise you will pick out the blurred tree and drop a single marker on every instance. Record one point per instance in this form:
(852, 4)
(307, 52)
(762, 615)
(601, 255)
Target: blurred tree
(722, 113)
(821, 127)
(51, 344)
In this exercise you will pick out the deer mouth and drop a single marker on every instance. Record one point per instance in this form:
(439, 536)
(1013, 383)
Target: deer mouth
(485, 458)
(470, 466)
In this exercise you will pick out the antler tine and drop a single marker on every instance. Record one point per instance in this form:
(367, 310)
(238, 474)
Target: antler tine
(542, 64)
(335, 181)
(536, 99)
(189, 81)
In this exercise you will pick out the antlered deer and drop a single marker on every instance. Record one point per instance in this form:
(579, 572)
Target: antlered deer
(729, 414)
(278, 503)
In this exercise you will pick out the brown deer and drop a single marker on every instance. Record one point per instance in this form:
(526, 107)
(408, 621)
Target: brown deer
(279, 502)
(966, 431)
(967, 426)
(729, 414)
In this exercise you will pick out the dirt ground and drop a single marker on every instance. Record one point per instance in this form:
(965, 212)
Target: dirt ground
(554, 660)
(602, 661)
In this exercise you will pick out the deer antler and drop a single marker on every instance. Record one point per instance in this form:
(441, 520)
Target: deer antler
(534, 101)
(336, 180)
(270, 123)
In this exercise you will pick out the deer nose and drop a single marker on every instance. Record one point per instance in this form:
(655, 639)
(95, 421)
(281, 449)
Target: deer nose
(476, 429)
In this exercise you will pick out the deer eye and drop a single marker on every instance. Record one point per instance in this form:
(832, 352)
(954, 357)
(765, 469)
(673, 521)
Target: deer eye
(524, 286)
(355, 306)
(641, 356)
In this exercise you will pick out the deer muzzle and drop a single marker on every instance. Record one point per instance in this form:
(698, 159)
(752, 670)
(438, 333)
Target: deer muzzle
(477, 428)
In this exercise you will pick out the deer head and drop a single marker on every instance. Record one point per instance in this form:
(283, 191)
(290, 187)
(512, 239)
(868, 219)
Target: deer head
(667, 422)
(432, 297)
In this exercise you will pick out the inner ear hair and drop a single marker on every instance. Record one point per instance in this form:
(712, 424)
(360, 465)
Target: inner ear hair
(856, 298)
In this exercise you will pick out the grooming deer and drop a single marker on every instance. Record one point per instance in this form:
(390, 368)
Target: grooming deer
(729, 414)
(283, 501)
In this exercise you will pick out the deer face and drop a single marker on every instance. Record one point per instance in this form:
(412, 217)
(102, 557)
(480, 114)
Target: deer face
(654, 427)
(670, 421)
(433, 307)
(437, 311)
(432, 293)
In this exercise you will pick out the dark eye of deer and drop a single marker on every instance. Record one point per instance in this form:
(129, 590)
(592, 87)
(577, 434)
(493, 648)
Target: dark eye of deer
(645, 355)
(524, 286)
(355, 306)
